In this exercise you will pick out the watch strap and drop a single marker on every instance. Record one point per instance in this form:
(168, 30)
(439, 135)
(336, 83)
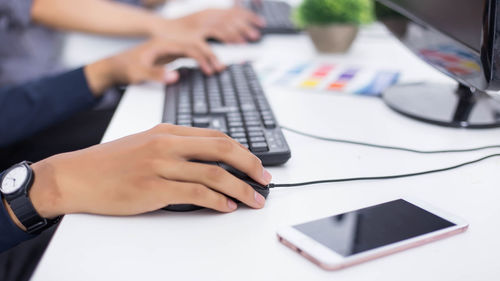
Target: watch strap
(27, 215)
(23, 208)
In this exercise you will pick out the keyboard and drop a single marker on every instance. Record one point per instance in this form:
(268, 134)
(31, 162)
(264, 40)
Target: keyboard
(277, 15)
(232, 102)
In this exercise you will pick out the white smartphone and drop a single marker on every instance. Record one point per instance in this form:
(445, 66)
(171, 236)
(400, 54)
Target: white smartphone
(354, 237)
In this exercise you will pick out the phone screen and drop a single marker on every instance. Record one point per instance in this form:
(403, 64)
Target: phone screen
(369, 228)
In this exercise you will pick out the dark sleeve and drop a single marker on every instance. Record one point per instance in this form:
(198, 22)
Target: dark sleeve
(16, 12)
(130, 2)
(10, 233)
(31, 107)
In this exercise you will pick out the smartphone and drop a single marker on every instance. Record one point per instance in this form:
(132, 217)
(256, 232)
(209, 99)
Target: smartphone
(354, 237)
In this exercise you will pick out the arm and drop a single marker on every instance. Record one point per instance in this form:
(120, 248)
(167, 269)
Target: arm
(141, 173)
(234, 25)
(38, 104)
(95, 16)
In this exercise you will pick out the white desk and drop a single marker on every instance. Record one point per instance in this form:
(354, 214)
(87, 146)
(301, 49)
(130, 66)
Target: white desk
(205, 245)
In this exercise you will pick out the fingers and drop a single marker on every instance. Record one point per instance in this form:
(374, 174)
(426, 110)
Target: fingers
(171, 76)
(247, 30)
(253, 18)
(210, 56)
(174, 192)
(216, 178)
(223, 150)
(192, 132)
(162, 75)
(196, 49)
(203, 54)
(233, 34)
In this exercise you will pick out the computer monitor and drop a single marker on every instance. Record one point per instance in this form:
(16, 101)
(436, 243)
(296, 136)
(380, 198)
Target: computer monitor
(459, 38)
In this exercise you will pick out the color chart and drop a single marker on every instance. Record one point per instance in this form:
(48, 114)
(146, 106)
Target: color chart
(330, 77)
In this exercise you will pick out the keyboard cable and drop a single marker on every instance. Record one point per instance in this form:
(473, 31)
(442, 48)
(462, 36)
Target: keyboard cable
(389, 177)
(387, 146)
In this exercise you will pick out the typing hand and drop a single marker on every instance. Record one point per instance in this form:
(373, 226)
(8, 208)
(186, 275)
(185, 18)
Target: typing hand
(235, 25)
(145, 172)
(146, 63)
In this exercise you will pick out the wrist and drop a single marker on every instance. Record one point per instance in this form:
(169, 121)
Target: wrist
(100, 76)
(157, 26)
(45, 194)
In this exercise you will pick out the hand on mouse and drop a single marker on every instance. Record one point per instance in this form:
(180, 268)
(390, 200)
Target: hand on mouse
(146, 63)
(145, 172)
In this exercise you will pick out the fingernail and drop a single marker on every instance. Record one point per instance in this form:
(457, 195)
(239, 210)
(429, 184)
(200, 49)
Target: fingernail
(266, 176)
(171, 76)
(232, 206)
(254, 35)
(260, 199)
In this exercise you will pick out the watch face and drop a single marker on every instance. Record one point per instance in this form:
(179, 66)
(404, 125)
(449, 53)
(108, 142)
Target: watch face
(14, 179)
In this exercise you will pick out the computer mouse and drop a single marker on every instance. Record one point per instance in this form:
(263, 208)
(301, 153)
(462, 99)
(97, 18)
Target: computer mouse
(261, 189)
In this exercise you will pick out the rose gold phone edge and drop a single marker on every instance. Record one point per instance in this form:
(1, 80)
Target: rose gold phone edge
(375, 255)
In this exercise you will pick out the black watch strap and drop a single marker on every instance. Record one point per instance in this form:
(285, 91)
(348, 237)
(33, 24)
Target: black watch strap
(23, 209)
(27, 215)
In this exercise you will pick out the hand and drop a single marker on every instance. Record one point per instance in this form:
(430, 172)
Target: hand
(235, 25)
(146, 172)
(146, 63)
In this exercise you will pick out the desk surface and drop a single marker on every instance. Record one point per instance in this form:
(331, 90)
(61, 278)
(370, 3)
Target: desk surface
(205, 245)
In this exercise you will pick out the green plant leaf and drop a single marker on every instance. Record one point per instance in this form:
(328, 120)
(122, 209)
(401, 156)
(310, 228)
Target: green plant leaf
(324, 12)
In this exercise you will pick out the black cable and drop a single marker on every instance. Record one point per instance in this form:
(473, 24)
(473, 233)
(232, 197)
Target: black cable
(389, 147)
(272, 185)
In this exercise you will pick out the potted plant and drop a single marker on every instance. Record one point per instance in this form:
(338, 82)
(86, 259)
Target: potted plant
(334, 24)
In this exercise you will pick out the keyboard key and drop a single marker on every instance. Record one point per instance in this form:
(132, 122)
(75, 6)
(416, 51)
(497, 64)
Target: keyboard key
(259, 147)
(238, 135)
(254, 129)
(253, 123)
(257, 139)
(255, 133)
(269, 124)
(236, 129)
(201, 122)
(235, 124)
(232, 102)
(241, 140)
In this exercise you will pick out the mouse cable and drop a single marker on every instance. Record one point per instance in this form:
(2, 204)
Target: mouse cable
(272, 185)
(388, 147)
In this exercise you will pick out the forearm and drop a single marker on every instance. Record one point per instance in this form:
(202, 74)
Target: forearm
(29, 108)
(95, 16)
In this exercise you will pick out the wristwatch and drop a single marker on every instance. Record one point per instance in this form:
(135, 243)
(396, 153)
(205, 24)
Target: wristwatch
(14, 186)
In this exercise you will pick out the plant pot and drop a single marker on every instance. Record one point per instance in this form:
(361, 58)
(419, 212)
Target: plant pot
(334, 38)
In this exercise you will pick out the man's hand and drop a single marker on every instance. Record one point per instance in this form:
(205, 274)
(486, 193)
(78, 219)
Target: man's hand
(235, 25)
(146, 172)
(146, 63)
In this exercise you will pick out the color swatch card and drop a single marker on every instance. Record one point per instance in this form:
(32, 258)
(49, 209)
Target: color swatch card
(329, 77)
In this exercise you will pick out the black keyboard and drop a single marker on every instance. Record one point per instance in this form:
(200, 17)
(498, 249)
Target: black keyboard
(277, 15)
(232, 102)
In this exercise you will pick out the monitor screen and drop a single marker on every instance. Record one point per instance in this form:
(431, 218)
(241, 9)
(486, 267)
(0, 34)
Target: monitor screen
(460, 19)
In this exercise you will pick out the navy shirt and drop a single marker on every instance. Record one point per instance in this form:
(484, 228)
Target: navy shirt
(28, 50)
(29, 108)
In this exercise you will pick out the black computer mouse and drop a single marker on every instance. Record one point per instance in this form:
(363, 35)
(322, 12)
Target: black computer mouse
(261, 189)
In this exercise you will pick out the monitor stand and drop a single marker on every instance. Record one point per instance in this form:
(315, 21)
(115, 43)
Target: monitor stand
(445, 105)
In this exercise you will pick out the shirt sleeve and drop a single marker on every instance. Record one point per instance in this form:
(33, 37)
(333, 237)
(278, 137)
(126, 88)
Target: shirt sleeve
(130, 2)
(28, 108)
(10, 233)
(15, 12)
